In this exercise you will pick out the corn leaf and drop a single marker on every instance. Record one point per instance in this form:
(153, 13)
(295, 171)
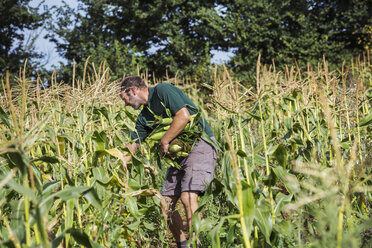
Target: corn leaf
(263, 219)
(281, 156)
(92, 197)
(47, 159)
(290, 181)
(98, 141)
(100, 174)
(66, 194)
(80, 237)
(27, 192)
(248, 210)
(281, 200)
(365, 121)
(4, 117)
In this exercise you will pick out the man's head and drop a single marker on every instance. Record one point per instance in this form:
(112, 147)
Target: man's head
(134, 91)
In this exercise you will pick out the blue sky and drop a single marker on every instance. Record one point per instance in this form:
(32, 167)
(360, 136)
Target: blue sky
(52, 58)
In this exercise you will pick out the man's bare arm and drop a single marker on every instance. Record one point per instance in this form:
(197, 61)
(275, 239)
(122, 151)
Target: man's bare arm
(180, 120)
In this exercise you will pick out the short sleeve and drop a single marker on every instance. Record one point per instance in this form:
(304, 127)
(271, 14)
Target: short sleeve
(171, 96)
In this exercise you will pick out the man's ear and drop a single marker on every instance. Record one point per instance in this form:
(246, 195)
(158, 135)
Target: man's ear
(133, 91)
(136, 91)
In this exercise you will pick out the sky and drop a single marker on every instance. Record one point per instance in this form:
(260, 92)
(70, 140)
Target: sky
(52, 58)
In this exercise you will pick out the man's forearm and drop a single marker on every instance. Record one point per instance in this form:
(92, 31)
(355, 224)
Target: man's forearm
(180, 120)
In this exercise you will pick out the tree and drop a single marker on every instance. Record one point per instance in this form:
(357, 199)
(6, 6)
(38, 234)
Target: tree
(187, 34)
(16, 17)
(86, 32)
(173, 36)
(177, 36)
(290, 32)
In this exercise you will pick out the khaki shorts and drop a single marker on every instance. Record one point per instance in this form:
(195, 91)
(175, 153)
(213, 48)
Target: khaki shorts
(197, 171)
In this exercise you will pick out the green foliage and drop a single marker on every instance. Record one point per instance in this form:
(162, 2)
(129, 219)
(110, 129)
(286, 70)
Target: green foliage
(176, 37)
(171, 38)
(126, 33)
(293, 165)
(304, 194)
(83, 35)
(291, 32)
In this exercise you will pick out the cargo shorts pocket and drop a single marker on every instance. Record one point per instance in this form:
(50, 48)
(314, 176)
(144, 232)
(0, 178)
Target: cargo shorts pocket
(203, 167)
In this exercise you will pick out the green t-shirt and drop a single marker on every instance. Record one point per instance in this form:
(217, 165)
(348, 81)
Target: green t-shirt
(173, 99)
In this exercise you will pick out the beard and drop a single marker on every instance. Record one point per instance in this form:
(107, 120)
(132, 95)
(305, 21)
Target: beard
(137, 106)
(137, 102)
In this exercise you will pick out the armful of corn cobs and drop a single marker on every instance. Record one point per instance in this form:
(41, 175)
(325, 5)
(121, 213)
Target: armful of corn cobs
(181, 146)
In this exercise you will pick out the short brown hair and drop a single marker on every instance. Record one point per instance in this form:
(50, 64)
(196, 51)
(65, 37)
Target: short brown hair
(132, 81)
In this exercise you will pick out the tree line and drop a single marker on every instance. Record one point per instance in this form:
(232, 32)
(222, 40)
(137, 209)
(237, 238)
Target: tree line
(178, 36)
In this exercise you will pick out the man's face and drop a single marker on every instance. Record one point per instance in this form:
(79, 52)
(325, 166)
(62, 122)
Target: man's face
(131, 98)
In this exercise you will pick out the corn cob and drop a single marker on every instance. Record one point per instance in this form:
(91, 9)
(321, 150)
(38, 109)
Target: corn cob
(157, 135)
(172, 163)
(175, 148)
(164, 121)
(181, 154)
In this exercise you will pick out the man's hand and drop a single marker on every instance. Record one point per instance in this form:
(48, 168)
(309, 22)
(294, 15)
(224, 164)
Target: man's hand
(164, 147)
(132, 148)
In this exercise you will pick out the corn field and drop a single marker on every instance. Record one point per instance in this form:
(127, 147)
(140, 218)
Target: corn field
(293, 170)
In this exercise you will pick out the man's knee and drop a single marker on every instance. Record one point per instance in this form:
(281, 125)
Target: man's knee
(189, 197)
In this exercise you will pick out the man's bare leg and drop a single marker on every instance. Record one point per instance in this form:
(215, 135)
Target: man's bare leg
(189, 200)
(174, 219)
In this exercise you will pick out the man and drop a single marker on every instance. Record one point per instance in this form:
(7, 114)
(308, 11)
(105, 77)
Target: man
(197, 169)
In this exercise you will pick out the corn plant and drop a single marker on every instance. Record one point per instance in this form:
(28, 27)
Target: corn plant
(293, 166)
